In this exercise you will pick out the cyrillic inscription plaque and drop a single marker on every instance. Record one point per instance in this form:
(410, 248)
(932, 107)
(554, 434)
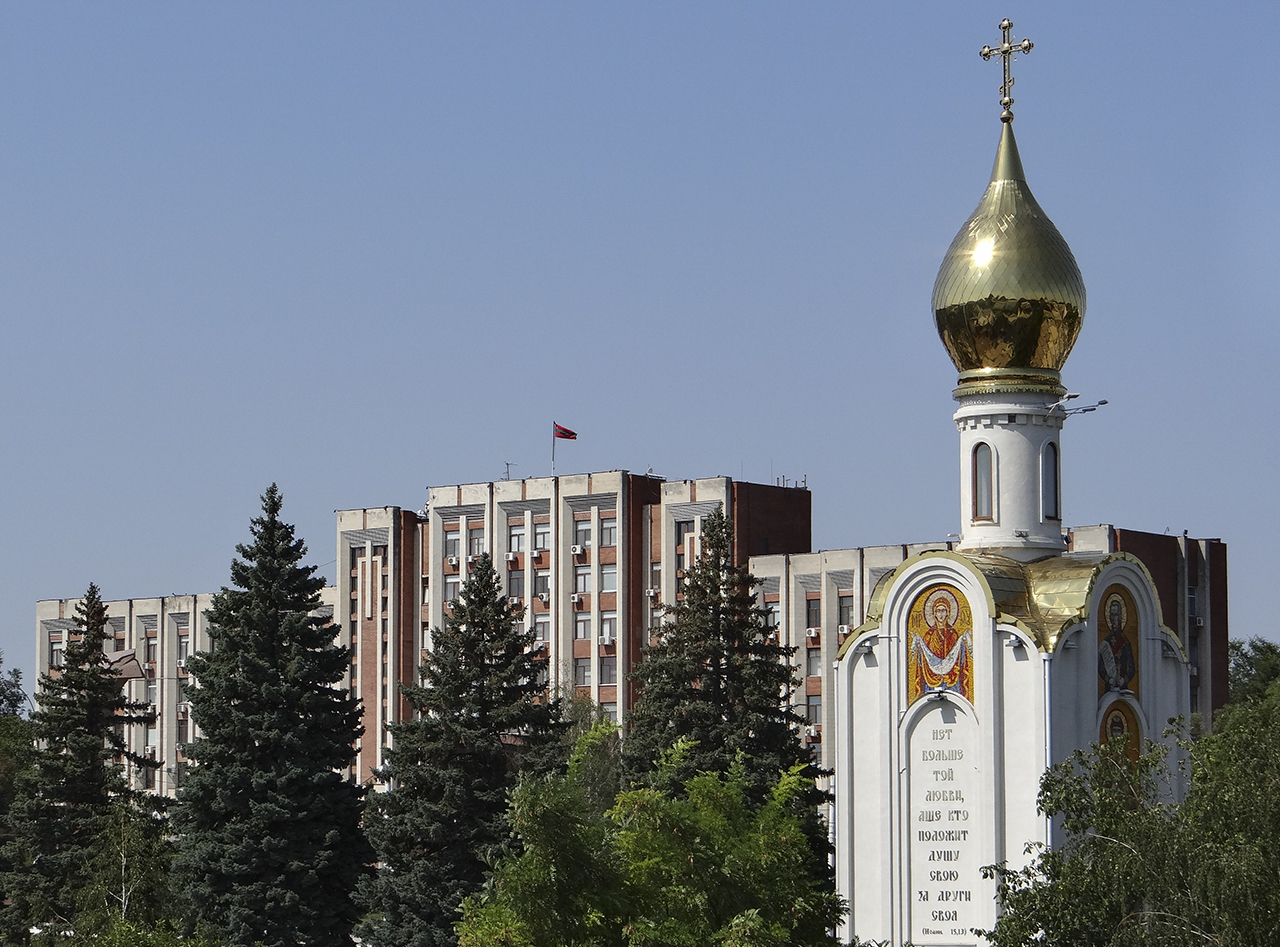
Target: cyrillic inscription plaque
(942, 777)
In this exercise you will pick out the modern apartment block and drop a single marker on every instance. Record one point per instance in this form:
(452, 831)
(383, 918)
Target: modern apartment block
(818, 599)
(589, 558)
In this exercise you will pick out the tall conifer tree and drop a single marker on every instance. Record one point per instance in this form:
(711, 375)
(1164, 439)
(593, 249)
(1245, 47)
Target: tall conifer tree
(718, 676)
(270, 842)
(481, 718)
(63, 801)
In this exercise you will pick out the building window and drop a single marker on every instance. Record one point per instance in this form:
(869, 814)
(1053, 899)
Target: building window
(582, 672)
(1191, 601)
(582, 533)
(655, 575)
(179, 774)
(609, 670)
(683, 529)
(542, 629)
(515, 583)
(184, 731)
(542, 582)
(608, 532)
(813, 710)
(541, 535)
(475, 540)
(184, 696)
(609, 625)
(184, 648)
(846, 610)
(813, 613)
(1049, 481)
(515, 538)
(679, 563)
(582, 579)
(452, 586)
(55, 654)
(610, 710)
(609, 578)
(451, 543)
(582, 625)
(151, 649)
(151, 695)
(982, 482)
(149, 778)
(813, 662)
(773, 614)
(118, 644)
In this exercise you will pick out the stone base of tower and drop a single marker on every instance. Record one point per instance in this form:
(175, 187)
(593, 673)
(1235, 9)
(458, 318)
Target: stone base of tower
(973, 674)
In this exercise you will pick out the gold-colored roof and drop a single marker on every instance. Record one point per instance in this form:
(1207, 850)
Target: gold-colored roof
(1009, 294)
(1044, 598)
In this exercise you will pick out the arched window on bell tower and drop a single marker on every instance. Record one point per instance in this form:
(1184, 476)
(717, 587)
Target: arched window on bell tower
(982, 481)
(1049, 482)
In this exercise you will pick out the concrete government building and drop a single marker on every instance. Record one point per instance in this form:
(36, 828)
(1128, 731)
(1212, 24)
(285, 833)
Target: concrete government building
(938, 680)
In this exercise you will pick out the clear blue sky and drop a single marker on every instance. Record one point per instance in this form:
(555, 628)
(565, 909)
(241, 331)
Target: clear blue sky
(361, 249)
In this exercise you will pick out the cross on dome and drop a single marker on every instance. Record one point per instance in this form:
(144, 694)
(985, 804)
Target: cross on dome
(1006, 51)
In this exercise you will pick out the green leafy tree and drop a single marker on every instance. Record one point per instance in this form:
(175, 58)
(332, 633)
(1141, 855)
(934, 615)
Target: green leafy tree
(12, 697)
(1251, 668)
(1138, 868)
(270, 844)
(719, 680)
(63, 800)
(481, 717)
(702, 866)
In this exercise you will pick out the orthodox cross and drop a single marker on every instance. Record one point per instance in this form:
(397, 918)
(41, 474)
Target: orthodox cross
(1006, 51)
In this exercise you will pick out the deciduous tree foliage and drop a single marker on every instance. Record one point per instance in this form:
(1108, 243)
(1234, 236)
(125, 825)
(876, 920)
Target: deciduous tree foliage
(666, 866)
(481, 717)
(63, 800)
(1138, 867)
(270, 842)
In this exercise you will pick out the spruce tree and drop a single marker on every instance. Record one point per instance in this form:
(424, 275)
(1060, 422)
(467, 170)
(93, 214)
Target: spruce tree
(718, 676)
(270, 847)
(481, 718)
(63, 802)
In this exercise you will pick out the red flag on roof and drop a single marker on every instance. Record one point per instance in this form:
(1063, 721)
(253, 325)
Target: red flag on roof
(564, 432)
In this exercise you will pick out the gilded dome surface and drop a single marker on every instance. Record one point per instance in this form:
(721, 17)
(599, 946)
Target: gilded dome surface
(1009, 294)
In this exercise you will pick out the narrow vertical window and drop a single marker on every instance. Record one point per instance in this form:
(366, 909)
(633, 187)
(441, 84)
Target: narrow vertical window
(1049, 482)
(982, 482)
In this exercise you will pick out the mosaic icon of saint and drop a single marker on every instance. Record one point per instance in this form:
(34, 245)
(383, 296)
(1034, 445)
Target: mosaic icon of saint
(941, 653)
(1116, 666)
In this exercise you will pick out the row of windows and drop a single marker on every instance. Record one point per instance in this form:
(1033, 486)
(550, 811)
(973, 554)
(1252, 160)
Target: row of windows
(844, 609)
(541, 537)
(148, 652)
(582, 671)
(983, 482)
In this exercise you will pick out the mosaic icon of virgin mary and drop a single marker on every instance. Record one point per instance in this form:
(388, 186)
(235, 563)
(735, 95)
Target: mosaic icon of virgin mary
(940, 650)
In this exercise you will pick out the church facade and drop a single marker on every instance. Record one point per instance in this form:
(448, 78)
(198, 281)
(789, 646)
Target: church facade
(979, 666)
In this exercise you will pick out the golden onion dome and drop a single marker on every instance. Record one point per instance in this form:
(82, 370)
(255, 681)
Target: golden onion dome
(1009, 299)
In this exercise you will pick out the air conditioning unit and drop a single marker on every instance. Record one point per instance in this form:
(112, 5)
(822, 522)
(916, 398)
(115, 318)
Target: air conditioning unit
(472, 559)
(811, 632)
(1199, 622)
(539, 646)
(544, 596)
(513, 600)
(182, 662)
(512, 557)
(606, 640)
(810, 730)
(149, 752)
(577, 550)
(653, 593)
(575, 598)
(842, 629)
(453, 560)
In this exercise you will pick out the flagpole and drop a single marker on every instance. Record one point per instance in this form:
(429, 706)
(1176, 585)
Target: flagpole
(553, 449)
